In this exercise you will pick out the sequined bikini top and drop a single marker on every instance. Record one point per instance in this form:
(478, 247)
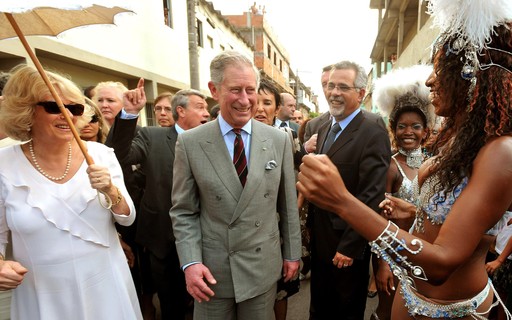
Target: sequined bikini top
(437, 205)
(406, 190)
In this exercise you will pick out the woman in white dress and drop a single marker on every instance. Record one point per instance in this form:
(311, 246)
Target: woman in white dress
(68, 262)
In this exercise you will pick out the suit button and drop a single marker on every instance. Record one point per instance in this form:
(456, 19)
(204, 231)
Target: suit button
(258, 249)
(258, 223)
(218, 198)
(266, 195)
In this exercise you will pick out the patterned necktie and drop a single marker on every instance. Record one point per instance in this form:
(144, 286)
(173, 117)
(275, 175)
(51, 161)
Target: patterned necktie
(239, 159)
(331, 137)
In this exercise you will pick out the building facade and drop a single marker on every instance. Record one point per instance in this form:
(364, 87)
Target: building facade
(153, 42)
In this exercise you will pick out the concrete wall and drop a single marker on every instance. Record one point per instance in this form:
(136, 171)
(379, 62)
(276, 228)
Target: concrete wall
(138, 45)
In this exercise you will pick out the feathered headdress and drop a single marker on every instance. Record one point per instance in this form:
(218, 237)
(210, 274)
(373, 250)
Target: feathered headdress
(469, 24)
(404, 87)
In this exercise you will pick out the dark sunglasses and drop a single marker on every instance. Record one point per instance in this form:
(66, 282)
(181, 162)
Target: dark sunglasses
(94, 119)
(52, 108)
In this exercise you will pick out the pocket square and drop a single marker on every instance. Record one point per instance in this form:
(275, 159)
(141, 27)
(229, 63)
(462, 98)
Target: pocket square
(270, 165)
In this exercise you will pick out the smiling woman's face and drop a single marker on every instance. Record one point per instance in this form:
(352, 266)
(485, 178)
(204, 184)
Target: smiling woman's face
(266, 109)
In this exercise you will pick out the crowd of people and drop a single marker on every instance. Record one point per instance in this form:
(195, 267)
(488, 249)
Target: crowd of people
(220, 212)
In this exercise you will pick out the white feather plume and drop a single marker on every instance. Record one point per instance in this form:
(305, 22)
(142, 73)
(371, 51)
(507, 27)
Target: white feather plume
(474, 20)
(400, 82)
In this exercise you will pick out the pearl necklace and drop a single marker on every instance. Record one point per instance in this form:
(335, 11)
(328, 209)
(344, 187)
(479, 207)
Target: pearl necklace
(36, 164)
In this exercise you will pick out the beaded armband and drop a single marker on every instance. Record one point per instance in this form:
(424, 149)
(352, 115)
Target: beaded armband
(387, 245)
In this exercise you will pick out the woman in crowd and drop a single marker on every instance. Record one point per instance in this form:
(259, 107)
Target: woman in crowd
(68, 262)
(402, 96)
(108, 96)
(429, 147)
(464, 190)
(97, 129)
(266, 111)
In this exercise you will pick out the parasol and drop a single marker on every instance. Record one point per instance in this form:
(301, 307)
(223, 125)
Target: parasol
(50, 18)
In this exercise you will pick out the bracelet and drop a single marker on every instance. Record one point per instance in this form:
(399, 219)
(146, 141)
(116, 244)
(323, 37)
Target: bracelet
(118, 199)
(388, 245)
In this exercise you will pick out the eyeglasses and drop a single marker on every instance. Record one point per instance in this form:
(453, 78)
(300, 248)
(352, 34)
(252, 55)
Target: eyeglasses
(94, 119)
(52, 108)
(341, 87)
(166, 109)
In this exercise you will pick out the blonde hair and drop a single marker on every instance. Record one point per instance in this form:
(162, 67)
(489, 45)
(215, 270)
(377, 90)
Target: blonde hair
(120, 88)
(24, 89)
(103, 127)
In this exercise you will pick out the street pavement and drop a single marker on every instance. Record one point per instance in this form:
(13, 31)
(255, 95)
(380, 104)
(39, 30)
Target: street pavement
(298, 304)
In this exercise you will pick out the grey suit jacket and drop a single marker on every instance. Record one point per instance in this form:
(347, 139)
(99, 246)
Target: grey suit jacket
(235, 231)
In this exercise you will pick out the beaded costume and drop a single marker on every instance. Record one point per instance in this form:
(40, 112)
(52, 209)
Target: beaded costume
(436, 207)
(406, 190)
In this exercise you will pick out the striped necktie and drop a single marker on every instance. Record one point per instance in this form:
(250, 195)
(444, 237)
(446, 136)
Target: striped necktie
(239, 159)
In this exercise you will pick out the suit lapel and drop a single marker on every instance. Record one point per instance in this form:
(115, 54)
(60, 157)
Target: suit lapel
(322, 135)
(217, 153)
(347, 134)
(260, 145)
(172, 136)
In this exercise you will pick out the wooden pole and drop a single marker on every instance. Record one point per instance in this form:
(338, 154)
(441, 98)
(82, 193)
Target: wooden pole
(39, 68)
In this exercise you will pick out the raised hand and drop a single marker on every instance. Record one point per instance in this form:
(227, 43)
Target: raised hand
(134, 100)
(321, 183)
(396, 208)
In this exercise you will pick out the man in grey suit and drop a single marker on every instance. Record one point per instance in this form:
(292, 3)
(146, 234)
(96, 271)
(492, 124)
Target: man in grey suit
(153, 147)
(227, 232)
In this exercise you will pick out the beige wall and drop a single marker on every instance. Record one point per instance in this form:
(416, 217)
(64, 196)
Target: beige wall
(139, 45)
(420, 48)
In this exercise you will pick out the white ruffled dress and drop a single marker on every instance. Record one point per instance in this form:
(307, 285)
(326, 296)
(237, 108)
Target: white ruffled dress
(67, 241)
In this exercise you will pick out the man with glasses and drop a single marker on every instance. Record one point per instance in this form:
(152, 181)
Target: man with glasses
(163, 110)
(359, 146)
(153, 148)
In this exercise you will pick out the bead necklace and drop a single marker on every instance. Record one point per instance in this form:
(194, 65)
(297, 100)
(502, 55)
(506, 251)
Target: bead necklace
(36, 164)
(414, 157)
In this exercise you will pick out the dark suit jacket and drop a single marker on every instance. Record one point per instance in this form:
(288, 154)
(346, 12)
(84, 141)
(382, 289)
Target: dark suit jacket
(135, 182)
(314, 124)
(153, 147)
(294, 126)
(362, 154)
